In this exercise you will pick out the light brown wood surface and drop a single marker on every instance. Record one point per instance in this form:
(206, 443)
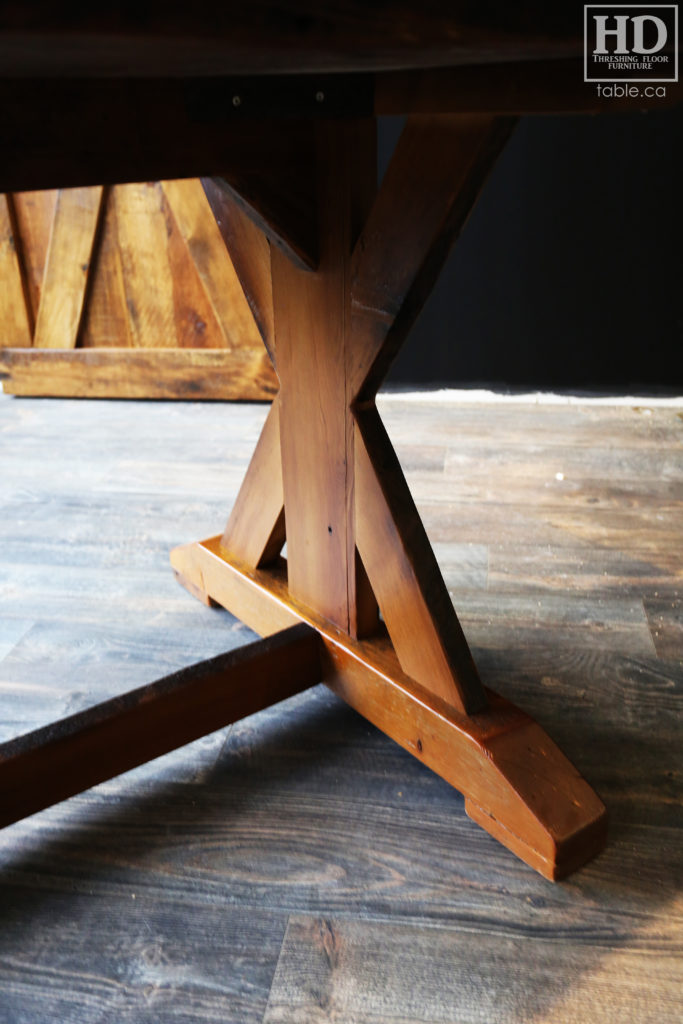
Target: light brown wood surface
(67, 267)
(517, 784)
(435, 175)
(15, 320)
(214, 374)
(250, 255)
(405, 576)
(255, 532)
(34, 213)
(313, 344)
(139, 267)
(205, 246)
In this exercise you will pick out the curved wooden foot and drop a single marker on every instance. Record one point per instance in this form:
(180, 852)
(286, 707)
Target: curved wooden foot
(517, 784)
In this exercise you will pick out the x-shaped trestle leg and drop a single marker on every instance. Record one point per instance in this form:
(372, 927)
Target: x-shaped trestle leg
(335, 272)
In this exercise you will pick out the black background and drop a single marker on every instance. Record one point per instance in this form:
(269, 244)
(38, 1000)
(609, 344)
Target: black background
(568, 274)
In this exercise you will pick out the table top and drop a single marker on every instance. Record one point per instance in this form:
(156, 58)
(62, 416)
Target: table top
(168, 37)
(147, 89)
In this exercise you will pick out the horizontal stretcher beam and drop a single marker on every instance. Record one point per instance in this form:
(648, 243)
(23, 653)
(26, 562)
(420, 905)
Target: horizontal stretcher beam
(64, 758)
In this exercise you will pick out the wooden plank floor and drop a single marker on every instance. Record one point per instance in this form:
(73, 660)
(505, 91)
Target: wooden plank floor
(299, 867)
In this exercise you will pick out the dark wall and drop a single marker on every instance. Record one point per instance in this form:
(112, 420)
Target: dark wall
(568, 275)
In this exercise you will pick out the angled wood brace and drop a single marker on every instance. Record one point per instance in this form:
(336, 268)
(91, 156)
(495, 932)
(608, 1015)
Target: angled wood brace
(335, 272)
(325, 478)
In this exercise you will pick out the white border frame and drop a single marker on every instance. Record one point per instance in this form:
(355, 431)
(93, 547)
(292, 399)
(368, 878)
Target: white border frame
(629, 81)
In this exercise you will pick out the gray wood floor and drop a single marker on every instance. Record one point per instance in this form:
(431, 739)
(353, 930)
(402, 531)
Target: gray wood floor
(299, 867)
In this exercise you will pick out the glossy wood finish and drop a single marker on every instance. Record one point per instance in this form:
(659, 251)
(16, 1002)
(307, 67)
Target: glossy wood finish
(349, 274)
(15, 318)
(171, 373)
(139, 267)
(517, 784)
(68, 756)
(249, 252)
(313, 345)
(404, 573)
(436, 172)
(255, 531)
(76, 218)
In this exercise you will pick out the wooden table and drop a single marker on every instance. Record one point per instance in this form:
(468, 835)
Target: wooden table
(276, 106)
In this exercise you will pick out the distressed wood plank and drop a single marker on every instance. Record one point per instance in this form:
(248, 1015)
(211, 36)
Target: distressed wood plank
(67, 268)
(403, 571)
(433, 180)
(312, 349)
(328, 971)
(142, 240)
(64, 758)
(203, 239)
(249, 252)
(149, 372)
(15, 312)
(34, 212)
(106, 318)
(155, 957)
(255, 532)
(517, 783)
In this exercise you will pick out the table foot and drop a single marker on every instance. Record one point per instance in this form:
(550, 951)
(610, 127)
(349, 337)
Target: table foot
(517, 784)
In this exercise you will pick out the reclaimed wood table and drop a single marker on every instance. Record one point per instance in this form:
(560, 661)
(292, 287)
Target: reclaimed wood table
(276, 106)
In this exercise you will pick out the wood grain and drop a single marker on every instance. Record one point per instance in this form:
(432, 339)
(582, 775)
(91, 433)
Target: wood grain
(214, 374)
(328, 971)
(106, 317)
(433, 180)
(64, 758)
(34, 213)
(249, 252)
(255, 532)
(316, 427)
(158, 277)
(405, 576)
(191, 971)
(15, 309)
(141, 231)
(205, 245)
(517, 784)
(67, 267)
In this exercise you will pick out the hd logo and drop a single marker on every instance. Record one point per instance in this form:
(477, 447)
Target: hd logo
(631, 43)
